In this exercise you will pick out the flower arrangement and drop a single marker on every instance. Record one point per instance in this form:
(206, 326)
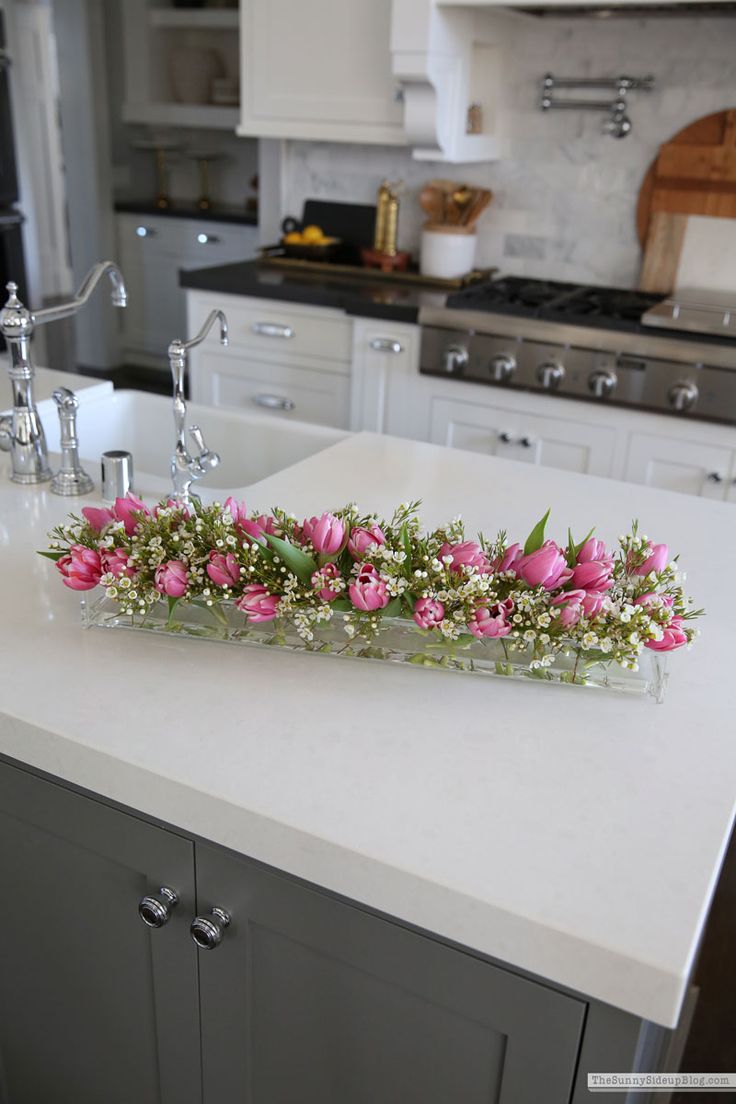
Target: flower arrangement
(540, 598)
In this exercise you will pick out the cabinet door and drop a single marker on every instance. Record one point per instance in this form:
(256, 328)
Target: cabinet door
(555, 442)
(156, 311)
(319, 70)
(676, 465)
(309, 1000)
(94, 1006)
(384, 375)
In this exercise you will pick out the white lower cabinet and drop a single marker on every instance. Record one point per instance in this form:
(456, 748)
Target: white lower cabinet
(686, 465)
(574, 445)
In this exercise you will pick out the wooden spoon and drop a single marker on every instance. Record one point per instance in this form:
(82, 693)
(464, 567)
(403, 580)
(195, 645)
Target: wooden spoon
(461, 198)
(476, 208)
(432, 202)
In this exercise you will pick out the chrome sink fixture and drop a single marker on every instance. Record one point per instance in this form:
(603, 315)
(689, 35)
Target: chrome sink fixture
(21, 433)
(185, 468)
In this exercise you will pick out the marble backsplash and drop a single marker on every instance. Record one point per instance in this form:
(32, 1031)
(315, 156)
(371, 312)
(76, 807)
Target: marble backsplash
(565, 195)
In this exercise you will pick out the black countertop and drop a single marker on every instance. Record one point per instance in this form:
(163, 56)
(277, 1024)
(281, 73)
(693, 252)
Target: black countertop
(181, 211)
(369, 298)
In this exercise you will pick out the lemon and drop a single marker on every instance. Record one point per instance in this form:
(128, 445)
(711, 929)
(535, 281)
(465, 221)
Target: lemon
(311, 235)
(293, 238)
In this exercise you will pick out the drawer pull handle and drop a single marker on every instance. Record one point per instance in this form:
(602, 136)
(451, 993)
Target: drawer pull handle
(207, 239)
(155, 910)
(207, 931)
(274, 402)
(272, 329)
(145, 232)
(386, 345)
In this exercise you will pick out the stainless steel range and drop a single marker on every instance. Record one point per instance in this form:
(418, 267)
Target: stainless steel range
(579, 342)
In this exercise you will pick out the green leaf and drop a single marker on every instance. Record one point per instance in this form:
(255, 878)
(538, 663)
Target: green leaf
(298, 562)
(393, 609)
(172, 602)
(410, 600)
(406, 545)
(52, 555)
(535, 539)
(343, 605)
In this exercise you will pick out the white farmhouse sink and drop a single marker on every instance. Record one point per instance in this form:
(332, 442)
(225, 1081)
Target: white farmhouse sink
(251, 446)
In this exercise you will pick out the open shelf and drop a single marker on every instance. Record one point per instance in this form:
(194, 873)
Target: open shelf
(178, 114)
(218, 19)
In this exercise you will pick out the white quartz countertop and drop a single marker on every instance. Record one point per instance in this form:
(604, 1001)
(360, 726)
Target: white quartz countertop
(571, 833)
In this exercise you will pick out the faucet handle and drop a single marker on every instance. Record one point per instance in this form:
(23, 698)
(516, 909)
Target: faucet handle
(206, 459)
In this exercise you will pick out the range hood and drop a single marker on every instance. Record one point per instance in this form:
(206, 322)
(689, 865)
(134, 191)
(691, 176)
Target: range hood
(635, 10)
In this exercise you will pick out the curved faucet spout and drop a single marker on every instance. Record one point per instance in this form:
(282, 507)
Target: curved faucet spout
(119, 295)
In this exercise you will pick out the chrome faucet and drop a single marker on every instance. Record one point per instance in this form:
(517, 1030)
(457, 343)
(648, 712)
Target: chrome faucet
(185, 468)
(21, 433)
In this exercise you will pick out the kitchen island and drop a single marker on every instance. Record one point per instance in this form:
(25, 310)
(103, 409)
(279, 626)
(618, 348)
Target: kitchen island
(569, 840)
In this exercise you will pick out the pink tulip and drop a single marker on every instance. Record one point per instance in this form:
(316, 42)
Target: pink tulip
(593, 602)
(128, 510)
(368, 592)
(491, 621)
(507, 560)
(81, 569)
(116, 562)
(652, 599)
(326, 534)
(571, 603)
(97, 517)
(253, 527)
(171, 579)
(258, 604)
(428, 613)
(465, 554)
(321, 582)
(361, 539)
(223, 569)
(656, 560)
(673, 637)
(546, 567)
(594, 566)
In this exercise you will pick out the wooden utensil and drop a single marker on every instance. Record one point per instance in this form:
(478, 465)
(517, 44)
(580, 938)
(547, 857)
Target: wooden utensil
(460, 199)
(476, 208)
(432, 202)
(693, 174)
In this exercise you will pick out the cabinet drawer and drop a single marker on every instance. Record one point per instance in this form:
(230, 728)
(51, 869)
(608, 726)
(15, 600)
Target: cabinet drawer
(194, 243)
(282, 330)
(674, 464)
(280, 391)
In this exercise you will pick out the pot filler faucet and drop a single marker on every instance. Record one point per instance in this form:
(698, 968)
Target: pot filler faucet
(21, 433)
(185, 468)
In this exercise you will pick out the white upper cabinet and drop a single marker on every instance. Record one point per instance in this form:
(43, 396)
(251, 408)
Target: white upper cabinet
(319, 70)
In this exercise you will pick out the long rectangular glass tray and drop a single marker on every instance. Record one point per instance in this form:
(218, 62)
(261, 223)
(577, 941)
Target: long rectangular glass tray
(399, 640)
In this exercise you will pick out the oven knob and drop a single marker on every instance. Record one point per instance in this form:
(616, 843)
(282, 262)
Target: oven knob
(683, 395)
(502, 367)
(455, 359)
(602, 383)
(550, 374)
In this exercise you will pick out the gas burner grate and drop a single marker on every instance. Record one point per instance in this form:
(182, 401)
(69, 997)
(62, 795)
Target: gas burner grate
(550, 300)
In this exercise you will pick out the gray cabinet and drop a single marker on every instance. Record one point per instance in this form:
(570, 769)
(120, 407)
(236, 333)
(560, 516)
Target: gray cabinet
(307, 999)
(310, 1000)
(94, 1006)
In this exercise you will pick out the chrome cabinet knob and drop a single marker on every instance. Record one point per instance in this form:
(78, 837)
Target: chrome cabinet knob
(502, 367)
(602, 383)
(550, 374)
(274, 402)
(455, 358)
(207, 931)
(145, 232)
(683, 395)
(505, 437)
(155, 910)
(715, 477)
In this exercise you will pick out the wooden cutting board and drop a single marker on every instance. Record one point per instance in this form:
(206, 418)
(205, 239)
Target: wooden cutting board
(693, 174)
